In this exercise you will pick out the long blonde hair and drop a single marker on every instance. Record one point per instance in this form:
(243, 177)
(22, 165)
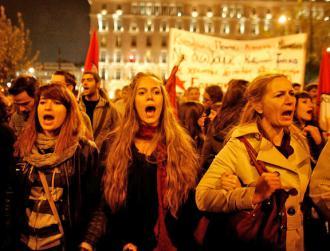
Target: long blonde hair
(182, 165)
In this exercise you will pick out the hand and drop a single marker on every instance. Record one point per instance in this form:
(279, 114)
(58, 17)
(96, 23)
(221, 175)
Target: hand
(229, 182)
(266, 186)
(314, 132)
(130, 247)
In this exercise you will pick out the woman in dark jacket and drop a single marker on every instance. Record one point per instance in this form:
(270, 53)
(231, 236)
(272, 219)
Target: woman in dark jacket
(304, 119)
(55, 157)
(150, 177)
(228, 117)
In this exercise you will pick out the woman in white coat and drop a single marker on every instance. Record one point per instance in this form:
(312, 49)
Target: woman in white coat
(266, 123)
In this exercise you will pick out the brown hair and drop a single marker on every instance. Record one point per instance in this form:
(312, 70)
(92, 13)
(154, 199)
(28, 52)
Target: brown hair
(71, 129)
(182, 166)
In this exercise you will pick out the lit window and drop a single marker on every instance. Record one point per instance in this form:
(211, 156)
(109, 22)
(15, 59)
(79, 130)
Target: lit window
(224, 11)
(157, 9)
(225, 28)
(102, 23)
(142, 8)
(103, 74)
(104, 9)
(149, 9)
(232, 11)
(194, 13)
(209, 13)
(239, 12)
(103, 56)
(241, 26)
(147, 57)
(118, 27)
(149, 26)
(209, 27)
(178, 25)
(119, 11)
(133, 27)
(193, 26)
(134, 8)
(173, 10)
(255, 27)
(164, 27)
(163, 57)
(103, 41)
(165, 10)
(118, 74)
(117, 58)
(118, 41)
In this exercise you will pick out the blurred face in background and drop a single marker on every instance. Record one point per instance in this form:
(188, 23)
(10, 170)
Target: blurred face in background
(193, 94)
(60, 79)
(90, 87)
(23, 103)
(304, 109)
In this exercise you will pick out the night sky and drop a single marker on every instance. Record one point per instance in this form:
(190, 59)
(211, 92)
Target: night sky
(54, 24)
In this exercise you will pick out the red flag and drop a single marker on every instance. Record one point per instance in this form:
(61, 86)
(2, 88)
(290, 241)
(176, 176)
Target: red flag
(92, 58)
(172, 82)
(324, 91)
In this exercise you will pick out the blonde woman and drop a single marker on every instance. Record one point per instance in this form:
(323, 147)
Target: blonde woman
(266, 123)
(150, 177)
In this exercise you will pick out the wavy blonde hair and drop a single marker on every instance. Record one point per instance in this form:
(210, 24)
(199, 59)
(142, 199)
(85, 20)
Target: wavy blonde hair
(182, 165)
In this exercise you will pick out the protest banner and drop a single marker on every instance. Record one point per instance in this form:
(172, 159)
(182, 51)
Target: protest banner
(213, 60)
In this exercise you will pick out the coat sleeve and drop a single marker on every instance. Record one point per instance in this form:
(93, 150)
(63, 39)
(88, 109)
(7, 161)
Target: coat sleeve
(209, 195)
(320, 182)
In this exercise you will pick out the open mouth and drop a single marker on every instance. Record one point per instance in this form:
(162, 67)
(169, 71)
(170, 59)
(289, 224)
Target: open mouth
(150, 110)
(310, 112)
(48, 117)
(287, 113)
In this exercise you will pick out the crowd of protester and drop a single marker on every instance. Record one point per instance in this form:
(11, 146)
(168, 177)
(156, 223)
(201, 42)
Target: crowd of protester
(83, 172)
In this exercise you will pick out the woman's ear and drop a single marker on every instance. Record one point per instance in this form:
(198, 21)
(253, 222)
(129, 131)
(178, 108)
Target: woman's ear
(258, 107)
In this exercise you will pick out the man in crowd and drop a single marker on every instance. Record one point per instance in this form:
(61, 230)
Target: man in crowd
(96, 104)
(22, 90)
(69, 80)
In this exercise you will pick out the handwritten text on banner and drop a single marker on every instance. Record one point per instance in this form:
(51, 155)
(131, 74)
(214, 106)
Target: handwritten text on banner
(212, 60)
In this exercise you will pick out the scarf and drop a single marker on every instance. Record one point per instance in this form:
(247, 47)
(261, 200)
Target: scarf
(163, 241)
(43, 155)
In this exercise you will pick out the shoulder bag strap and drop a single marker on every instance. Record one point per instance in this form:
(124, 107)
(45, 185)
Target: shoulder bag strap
(51, 201)
(259, 165)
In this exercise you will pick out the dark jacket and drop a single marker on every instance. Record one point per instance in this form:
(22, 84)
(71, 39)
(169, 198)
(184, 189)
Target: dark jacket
(82, 187)
(7, 139)
(135, 221)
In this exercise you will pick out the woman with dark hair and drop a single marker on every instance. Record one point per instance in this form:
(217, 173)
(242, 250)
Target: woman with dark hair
(304, 119)
(189, 114)
(7, 139)
(57, 175)
(265, 128)
(228, 117)
(150, 177)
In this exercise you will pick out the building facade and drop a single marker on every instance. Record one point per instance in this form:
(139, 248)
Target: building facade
(133, 35)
